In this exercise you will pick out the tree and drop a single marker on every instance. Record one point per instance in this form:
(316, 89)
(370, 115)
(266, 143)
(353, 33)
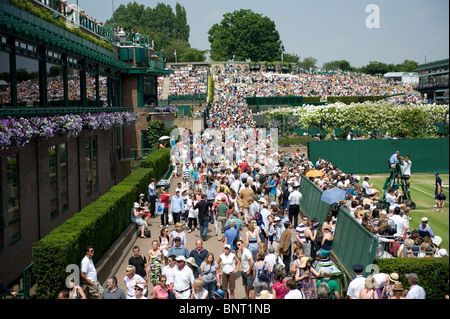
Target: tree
(291, 57)
(375, 67)
(181, 28)
(308, 63)
(407, 66)
(160, 23)
(245, 35)
(193, 55)
(338, 64)
(180, 46)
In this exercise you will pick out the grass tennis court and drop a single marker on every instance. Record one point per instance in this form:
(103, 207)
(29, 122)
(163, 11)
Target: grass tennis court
(422, 193)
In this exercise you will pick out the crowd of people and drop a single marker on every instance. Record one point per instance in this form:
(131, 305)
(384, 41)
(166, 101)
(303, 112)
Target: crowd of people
(265, 239)
(242, 82)
(310, 83)
(253, 201)
(187, 80)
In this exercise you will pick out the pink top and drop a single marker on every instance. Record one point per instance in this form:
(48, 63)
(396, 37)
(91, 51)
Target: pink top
(280, 289)
(160, 293)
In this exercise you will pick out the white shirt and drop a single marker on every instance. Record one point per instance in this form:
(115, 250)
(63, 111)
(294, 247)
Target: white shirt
(131, 283)
(271, 259)
(169, 273)
(87, 266)
(407, 168)
(245, 259)
(399, 222)
(183, 279)
(294, 294)
(227, 263)
(367, 188)
(355, 287)
(416, 292)
(295, 198)
(390, 199)
(264, 213)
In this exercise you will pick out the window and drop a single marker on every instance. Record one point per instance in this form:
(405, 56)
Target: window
(53, 179)
(55, 84)
(13, 214)
(91, 155)
(94, 163)
(64, 179)
(27, 81)
(87, 156)
(5, 89)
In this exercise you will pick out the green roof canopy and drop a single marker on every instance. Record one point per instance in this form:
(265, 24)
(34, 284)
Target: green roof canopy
(20, 23)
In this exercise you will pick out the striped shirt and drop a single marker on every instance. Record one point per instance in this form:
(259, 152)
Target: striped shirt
(300, 231)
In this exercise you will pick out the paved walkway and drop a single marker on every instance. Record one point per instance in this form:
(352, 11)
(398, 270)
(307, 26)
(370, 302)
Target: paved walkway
(211, 244)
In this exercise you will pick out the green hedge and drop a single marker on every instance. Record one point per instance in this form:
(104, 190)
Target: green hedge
(157, 161)
(354, 99)
(99, 224)
(433, 273)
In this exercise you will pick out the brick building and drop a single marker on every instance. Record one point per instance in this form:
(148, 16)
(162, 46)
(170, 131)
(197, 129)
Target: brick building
(49, 73)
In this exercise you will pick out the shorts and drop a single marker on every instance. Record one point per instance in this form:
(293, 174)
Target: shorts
(262, 236)
(247, 280)
(228, 281)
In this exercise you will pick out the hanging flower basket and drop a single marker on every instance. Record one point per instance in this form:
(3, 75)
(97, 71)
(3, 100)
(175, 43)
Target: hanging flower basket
(16, 131)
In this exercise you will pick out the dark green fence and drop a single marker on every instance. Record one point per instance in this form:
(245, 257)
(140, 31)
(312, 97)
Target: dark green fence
(371, 156)
(352, 243)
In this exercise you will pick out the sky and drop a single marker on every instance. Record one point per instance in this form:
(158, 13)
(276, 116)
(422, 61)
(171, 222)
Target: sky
(327, 30)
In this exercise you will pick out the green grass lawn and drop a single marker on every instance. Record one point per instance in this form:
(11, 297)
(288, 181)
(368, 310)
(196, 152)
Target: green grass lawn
(422, 194)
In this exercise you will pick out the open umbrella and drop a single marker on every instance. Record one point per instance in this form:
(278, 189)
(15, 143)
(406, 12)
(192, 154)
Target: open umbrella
(164, 138)
(333, 195)
(314, 173)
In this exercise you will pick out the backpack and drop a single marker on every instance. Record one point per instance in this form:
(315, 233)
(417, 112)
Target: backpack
(323, 291)
(264, 274)
(259, 218)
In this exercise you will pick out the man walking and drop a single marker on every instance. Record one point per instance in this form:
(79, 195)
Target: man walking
(176, 206)
(247, 270)
(203, 207)
(294, 204)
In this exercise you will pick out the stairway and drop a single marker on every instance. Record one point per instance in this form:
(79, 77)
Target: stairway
(165, 88)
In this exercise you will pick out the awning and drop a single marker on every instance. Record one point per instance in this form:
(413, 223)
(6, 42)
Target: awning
(33, 29)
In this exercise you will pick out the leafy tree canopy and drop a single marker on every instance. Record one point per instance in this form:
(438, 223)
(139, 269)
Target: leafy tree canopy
(160, 23)
(244, 35)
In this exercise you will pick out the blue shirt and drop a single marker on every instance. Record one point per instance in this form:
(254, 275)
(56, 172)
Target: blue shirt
(427, 229)
(393, 159)
(230, 234)
(210, 193)
(273, 190)
(151, 190)
(177, 204)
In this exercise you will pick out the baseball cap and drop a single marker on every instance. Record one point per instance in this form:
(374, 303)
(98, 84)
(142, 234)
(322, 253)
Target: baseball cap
(180, 258)
(413, 277)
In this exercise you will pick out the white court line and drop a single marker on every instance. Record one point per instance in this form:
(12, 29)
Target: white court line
(424, 192)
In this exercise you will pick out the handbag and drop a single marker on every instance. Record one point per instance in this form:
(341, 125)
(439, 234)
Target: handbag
(147, 233)
(159, 208)
(264, 274)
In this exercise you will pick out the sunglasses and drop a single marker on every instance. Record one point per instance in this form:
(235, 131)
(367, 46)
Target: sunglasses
(138, 289)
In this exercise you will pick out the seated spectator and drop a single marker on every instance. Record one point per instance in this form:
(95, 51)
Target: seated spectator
(136, 217)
